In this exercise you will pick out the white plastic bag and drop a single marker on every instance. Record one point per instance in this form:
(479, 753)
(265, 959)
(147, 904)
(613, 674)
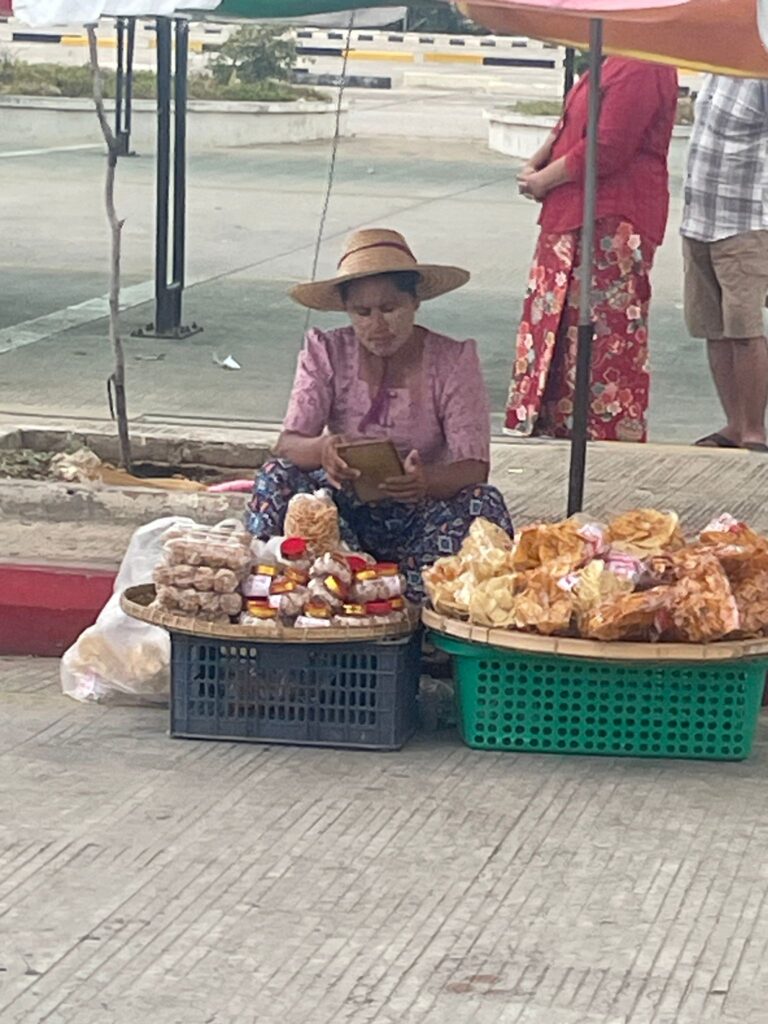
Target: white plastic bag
(119, 659)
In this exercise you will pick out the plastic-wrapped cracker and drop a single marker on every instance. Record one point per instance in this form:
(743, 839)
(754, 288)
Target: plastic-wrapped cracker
(544, 606)
(644, 532)
(560, 547)
(703, 607)
(628, 617)
(493, 602)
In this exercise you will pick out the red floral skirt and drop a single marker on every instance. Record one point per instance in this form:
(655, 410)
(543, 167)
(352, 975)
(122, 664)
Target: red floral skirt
(541, 392)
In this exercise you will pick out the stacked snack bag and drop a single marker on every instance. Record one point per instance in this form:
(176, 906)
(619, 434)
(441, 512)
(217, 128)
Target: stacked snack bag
(635, 579)
(201, 571)
(336, 588)
(304, 580)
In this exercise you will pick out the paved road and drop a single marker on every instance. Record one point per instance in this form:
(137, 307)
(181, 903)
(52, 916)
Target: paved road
(253, 220)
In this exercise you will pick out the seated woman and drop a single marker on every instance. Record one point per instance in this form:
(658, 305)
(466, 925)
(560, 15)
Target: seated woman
(386, 377)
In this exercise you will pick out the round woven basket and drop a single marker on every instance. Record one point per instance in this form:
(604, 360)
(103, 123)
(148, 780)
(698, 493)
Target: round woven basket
(138, 603)
(571, 647)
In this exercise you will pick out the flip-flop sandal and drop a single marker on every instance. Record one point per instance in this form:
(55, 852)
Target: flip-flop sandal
(755, 446)
(715, 441)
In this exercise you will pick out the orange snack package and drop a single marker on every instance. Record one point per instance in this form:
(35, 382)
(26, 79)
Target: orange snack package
(629, 616)
(741, 551)
(644, 532)
(560, 547)
(703, 607)
(543, 606)
(751, 595)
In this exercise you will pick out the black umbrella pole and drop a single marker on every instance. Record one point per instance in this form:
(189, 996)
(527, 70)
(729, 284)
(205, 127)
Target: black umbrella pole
(582, 386)
(578, 466)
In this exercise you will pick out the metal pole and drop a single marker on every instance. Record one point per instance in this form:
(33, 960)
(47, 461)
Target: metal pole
(180, 161)
(119, 80)
(163, 308)
(582, 389)
(129, 51)
(569, 66)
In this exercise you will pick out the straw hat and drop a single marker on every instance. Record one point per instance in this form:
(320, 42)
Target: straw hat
(377, 251)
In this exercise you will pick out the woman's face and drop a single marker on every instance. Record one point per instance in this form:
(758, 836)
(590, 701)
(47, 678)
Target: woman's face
(382, 316)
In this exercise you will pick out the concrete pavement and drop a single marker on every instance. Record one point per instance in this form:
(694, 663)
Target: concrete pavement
(182, 882)
(253, 217)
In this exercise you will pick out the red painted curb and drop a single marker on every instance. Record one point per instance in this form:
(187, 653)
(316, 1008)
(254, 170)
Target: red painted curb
(44, 608)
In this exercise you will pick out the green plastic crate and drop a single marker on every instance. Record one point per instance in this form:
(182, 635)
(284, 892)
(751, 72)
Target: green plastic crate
(510, 700)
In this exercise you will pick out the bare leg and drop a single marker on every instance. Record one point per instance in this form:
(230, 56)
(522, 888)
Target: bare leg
(721, 363)
(750, 364)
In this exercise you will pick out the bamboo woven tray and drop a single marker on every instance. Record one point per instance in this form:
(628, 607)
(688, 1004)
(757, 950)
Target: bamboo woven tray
(137, 602)
(570, 647)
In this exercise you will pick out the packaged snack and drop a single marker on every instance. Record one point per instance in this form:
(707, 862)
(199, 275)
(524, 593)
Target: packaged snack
(259, 583)
(543, 606)
(311, 622)
(359, 560)
(167, 597)
(333, 596)
(162, 575)
(352, 615)
(333, 564)
(203, 577)
(740, 550)
(702, 608)
(316, 615)
(288, 599)
(224, 581)
(644, 532)
(595, 584)
(751, 595)
(493, 602)
(258, 613)
(560, 547)
(381, 612)
(392, 581)
(182, 575)
(629, 616)
(369, 586)
(189, 602)
(210, 602)
(230, 604)
(315, 518)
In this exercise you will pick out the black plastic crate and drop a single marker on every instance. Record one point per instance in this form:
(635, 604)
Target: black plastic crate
(359, 694)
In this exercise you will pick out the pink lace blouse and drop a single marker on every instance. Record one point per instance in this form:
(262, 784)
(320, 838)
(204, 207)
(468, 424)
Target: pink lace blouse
(443, 413)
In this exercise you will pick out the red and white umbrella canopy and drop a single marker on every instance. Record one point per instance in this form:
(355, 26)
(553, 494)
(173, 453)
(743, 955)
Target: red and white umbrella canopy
(725, 36)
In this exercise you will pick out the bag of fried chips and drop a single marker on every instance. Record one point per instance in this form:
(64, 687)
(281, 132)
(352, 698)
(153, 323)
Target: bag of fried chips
(644, 532)
(493, 602)
(628, 616)
(543, 606)
(560, 547)
(703, 607)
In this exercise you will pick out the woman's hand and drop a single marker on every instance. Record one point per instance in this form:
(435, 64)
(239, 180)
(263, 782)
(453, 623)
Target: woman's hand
(411, 487)
(533, 185)
(337, 471)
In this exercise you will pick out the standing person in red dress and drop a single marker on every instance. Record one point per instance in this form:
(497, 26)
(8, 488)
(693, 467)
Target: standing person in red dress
(637, 114)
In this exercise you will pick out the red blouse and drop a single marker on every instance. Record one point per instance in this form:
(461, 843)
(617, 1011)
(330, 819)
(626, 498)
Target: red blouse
(637, 114)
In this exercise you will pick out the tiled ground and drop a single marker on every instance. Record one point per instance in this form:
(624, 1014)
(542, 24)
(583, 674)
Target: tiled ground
(177, 882)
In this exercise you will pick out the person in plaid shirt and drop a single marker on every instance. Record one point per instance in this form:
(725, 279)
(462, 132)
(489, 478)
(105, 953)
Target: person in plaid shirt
(725, 250)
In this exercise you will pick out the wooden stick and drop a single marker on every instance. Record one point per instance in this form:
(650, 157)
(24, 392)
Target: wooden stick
(117, 380)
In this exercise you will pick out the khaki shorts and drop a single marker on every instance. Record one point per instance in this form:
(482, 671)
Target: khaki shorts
(726, 283)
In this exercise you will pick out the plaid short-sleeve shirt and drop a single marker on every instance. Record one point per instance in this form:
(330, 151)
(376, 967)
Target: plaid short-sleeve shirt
(726, 184)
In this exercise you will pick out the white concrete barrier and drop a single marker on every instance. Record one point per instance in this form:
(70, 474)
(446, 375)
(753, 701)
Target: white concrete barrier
(520, 135)
(42, 122)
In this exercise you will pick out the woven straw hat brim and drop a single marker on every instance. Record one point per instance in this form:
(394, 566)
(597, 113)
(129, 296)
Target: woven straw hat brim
(434, 279)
